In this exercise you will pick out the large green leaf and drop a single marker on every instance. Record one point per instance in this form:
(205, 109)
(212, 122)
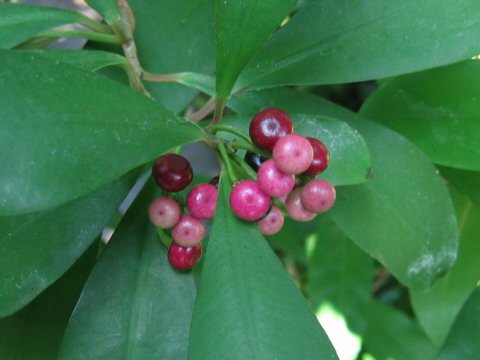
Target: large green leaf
(392, 335)
(134, 305)
(37, 248)
(20, 22)
(35, 332)
(349, 156)
(247, 306)
(175, 36)
(64, 132)
(437, 110)
(404, 216)
(462, 342)
(467, 182)
(437, 307)
(337, 41)
(241, 29)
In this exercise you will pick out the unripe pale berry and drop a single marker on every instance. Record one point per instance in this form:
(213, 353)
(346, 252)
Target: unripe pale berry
(321, 157)
(318, 195)
(272, 181)
(184, 258)
(164, 212)
(172, 172)
(295, 208)
(272, 223)
(202, 201)
(247, 201)
(293, 154)
(268, 126)
(188, 232)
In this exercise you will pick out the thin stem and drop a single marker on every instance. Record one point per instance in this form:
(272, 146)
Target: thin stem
(94, 25)
(249, 147)
(225, 128)
(250, 172)
(90, 35)
(204, 111)
(218, 113)
(226, 161)
(160, 78)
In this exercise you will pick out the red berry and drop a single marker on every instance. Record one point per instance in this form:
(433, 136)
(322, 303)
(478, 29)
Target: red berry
(293, 154)
(268, 126)
(172, 172)
(272, 181)
(184, 258)
(188, 232)
(248, 202)
(164, 212)
(318, 195)
(321, 157)
(202, 201)
(295, 208)
(272, 223)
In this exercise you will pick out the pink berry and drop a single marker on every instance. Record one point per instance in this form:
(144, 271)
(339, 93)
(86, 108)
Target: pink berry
(318, 195)
(293, 154)
(272, 181)
(321, 157)
(164, 212)
(188, 232)
(202, 201)
(272, 223)
(295, 208)
(184, 258)
(248, 202)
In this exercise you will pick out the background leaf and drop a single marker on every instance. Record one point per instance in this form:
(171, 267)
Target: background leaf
(437, 307)
(467, 182)
(241, 29)
(437, 110)
(462, 343)
(87, 131)
(337, 41)
(134, 305)
(247, 306)
(175, 36)
(37, 248)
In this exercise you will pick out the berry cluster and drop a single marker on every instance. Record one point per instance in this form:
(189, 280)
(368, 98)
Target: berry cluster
(304, 197)
(173, 173)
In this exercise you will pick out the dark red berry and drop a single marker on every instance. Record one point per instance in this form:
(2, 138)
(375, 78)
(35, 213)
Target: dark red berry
(172, 172)
(254, 160)
(268, 126)
(321, 157)
(214, 181)
(184, 258)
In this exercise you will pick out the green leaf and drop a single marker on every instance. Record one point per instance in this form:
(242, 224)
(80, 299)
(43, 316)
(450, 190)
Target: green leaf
(107, 8)
(337, 41)
(19, 22)
(340, 274)
(82, 133)
(175, 36)
(437, 307)
(247, 306)
(467, 182)
(134, 305)
(462, 342)
(241, 29)
(404, 216)
(392, 335)
(349, 156)
(37, 248)
(35, 332)
(437, 110)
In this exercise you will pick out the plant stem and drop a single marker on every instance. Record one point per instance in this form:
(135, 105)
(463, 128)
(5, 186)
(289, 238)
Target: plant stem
(90, 35)
(160, 78)
(94, 25)
(225, 128)
(226, 161)
(204, 111)
(218, 113)
(250, 172)
(250, 147)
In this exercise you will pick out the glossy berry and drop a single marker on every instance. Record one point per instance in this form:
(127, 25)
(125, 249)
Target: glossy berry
(321, 157)
(214, 181)
(248, 202)
(268, 126)
(172, 172)
(272, 181)
(184, 258)
(188, 232)
(295, 208)
(293, 154)
(254, 160)
(272, 223)
(164, 212)
(202, 201)
(318, 195)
